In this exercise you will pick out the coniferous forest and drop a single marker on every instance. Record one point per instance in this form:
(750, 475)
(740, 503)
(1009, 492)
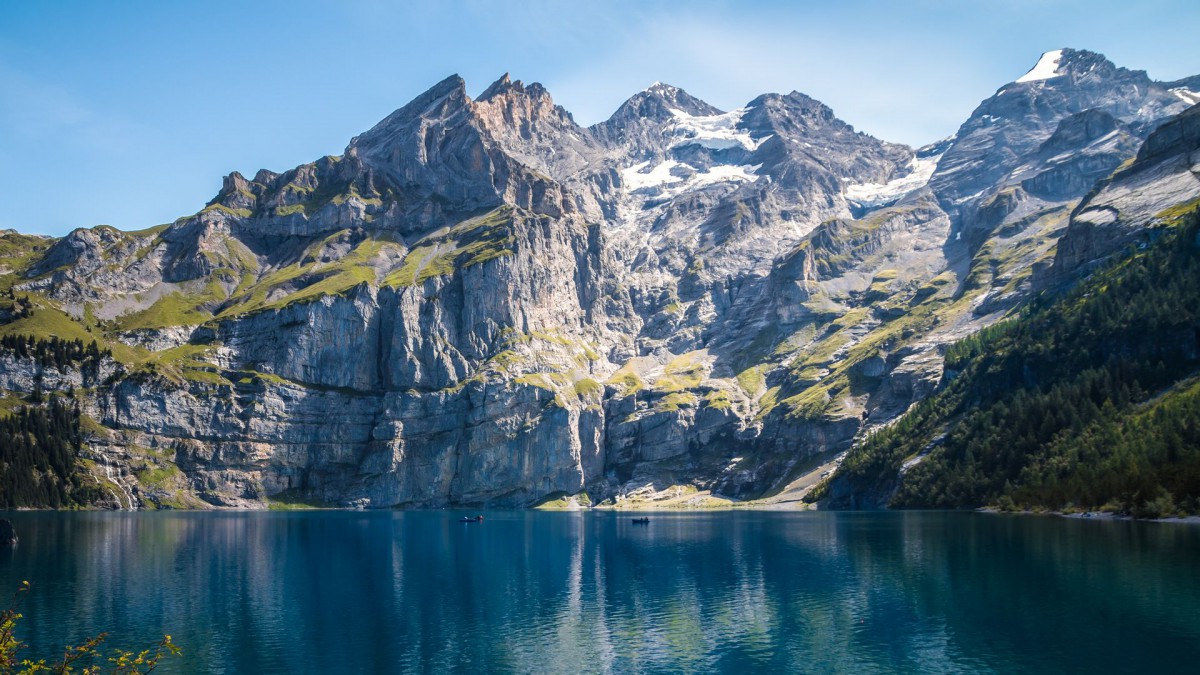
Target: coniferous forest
(39, 446)
(1087, 401)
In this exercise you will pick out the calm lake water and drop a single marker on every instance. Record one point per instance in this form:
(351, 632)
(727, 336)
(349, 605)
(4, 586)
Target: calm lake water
(336, 592)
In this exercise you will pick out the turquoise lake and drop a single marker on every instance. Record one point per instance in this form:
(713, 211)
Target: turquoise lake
(346, 592)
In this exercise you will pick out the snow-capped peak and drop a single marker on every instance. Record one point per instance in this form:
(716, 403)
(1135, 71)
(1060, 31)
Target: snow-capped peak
(1046, 68)
(660, 87)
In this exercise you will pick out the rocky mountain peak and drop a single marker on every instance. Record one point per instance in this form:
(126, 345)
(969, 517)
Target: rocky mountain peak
(447, 95)
(794, 100)
(1005, 131)
(508, 112)
(1074, 65)
(795, 127)
(496, 87)
(506, 87)
(526, 123)
(793, 113)
(649, 109)
(234, 182)
(441, 101)
(659, 99)
(508, 102)
(236, 192)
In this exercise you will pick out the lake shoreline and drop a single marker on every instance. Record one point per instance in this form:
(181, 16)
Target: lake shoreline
(642, 508)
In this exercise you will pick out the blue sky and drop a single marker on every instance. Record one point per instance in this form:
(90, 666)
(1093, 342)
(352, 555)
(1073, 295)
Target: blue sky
(129, 113)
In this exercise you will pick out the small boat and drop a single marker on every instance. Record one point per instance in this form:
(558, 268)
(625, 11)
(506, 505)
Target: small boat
(641, 521)
(476, 519)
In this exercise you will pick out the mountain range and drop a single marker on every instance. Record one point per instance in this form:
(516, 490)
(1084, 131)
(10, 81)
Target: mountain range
(483, 302)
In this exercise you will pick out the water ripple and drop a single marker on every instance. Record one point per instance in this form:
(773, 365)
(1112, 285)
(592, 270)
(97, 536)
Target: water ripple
(590, 592)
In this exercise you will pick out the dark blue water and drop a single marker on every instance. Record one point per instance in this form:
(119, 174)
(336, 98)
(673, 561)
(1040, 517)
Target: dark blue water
(334, 592)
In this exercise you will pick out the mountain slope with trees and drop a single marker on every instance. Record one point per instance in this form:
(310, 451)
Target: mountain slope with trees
(1088, 401)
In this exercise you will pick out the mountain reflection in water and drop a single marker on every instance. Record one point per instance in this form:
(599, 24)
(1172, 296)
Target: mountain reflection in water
(565, 592)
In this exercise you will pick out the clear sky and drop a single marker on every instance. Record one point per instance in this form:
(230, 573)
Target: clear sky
(129, 113)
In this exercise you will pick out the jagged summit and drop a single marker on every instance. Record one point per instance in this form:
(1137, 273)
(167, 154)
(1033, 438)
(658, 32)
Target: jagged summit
(800, 107)
(510, 120)
(667, 90)
(451, 89)
(1045, 68)
(656, 103)
(495, 87)
(640, 128)
(506, 85)
(1068, 66)
(995, 149)
(513, 136)
(439, 101)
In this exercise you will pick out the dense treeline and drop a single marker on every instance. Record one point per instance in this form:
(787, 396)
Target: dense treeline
(57, 353)
(1145, 461)
(38, 447)
(1053, 409)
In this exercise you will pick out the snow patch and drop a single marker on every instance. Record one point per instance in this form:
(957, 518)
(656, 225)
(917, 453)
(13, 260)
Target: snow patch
(724, 173)
(659, 181)
(716, 132)
(637, 178)
(1046, 68)
(1188, 97)
(873, 195)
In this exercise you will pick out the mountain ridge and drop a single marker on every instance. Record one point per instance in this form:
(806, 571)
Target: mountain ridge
(483, 302)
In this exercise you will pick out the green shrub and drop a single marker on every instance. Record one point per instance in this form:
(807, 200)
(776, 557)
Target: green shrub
(84, 658)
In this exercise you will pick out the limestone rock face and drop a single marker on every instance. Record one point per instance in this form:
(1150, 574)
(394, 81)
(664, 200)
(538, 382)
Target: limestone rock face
(482, 302)
(1124, 209)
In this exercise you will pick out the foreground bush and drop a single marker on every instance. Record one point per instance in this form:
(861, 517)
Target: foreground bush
(84, 659)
